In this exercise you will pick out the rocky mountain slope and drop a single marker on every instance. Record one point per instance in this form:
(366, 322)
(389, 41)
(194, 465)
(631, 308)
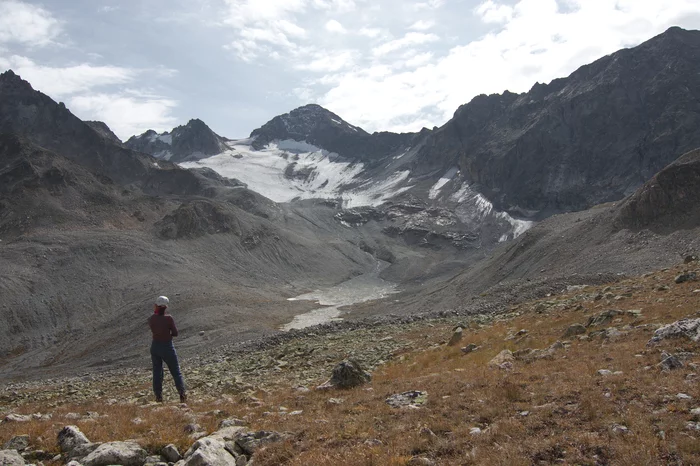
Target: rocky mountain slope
(192, 141)
(590, 138)
(655, 227)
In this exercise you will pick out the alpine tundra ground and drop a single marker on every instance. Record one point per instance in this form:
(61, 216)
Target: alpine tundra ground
(579, 384)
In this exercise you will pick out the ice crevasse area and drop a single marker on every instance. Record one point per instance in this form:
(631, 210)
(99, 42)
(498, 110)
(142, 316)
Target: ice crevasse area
(328, 175)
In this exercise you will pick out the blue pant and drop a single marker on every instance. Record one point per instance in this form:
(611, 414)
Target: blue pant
(164, 351)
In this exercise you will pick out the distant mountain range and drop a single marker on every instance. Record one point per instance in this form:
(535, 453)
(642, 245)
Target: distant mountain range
(592, 137)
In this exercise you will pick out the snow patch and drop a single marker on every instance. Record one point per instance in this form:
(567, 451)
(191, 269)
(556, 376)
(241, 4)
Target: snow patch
(166, 138)
(447, 177)
(473, 206)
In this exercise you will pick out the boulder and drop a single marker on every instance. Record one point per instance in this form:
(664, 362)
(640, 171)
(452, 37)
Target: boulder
(18, 443)
(411, 399)
(17, 418)
(347, 374)
(171, 454)
(70, 437)
(503, 360)
(573, 330)
(469, 348)
(209, 451)
(250, 442)
(112, 453)
(686, 277)
(670, 362)
(11, 458)
(602, 318)
(686, 328)
(456, 337)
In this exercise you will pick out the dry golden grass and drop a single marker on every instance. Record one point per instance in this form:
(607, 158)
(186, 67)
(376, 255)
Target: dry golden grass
(556, 410)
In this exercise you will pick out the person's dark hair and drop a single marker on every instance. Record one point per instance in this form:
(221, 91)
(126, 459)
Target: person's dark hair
(161, 310)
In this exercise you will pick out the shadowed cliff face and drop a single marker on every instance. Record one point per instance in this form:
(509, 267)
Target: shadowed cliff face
(589, 138)
(670, 200)
(192, 141)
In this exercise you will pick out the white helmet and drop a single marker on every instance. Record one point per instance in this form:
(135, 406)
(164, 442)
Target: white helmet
(162, 301)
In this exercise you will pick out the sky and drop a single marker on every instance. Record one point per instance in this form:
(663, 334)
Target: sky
(384, 65)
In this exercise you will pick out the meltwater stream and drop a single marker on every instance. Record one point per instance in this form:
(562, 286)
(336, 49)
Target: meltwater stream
(356, 290)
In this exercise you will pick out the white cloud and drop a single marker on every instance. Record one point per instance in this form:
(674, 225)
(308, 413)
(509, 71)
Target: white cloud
(538, 40)
(330, 62)
(26, 24)
(422, 25)
(108, 9)
(412, 38)
(59, 82)
(416, 60)
(370, 32)
(429, 5)
(340, 6)
(492, 12)
(334, 26)
(126, 113)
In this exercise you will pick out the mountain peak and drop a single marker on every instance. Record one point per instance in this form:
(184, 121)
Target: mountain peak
(193, 140)
(310, 123)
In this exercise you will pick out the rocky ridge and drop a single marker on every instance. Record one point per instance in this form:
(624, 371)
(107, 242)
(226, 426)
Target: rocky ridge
(192, 141)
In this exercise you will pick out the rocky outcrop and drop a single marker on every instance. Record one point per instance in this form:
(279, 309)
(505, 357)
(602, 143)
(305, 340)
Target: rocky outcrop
(670, 200)
(192, 141)
(686, 328)
(196, 218)
(103, 130)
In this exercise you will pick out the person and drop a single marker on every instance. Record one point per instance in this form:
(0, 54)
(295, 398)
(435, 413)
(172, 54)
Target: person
(162, 349)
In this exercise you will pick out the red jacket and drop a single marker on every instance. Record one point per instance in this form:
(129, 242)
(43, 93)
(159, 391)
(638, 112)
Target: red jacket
(163, 327)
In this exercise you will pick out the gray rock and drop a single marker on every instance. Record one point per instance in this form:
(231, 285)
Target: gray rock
(18, 442)
(209, 451)
(410, 399)
(250, 442)
(604, 372)
(670, 362)
(573, 330)
(81, 451)
(686, 328)
(471, 347)
(17, 418)
(233, 422)
(11, 458)
(171, 454)
(73, 463)
(70, 437)
(456, 337)
(112, 453)
(153, 459)
(347, 374)
(686, 277)
(502, 360)
(602, 318)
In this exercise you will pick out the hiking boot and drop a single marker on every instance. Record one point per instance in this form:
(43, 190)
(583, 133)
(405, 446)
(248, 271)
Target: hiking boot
(159, 398)
(183, 397)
